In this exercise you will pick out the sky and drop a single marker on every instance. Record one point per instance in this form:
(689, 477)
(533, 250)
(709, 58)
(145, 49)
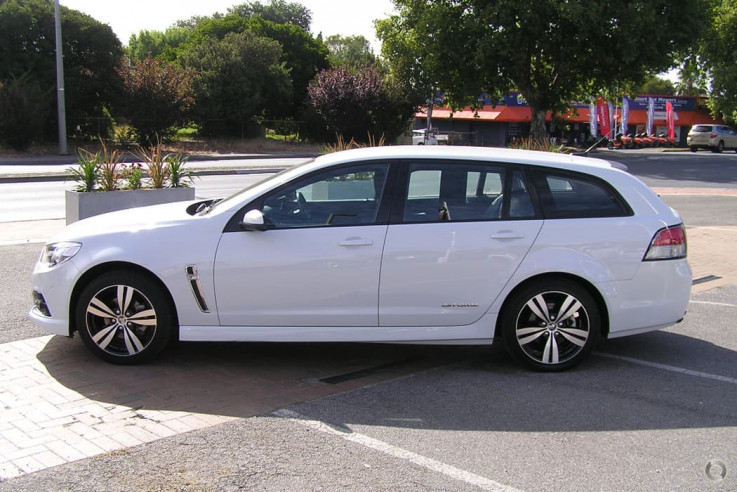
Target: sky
(344, 17)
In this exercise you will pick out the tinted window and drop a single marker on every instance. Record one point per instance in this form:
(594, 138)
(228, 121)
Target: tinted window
(457, 192)
(701, 129)
(347, 196)
(577, 196)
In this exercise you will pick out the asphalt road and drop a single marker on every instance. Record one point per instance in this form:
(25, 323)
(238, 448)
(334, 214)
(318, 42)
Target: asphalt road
(39, 200)
(651, 412)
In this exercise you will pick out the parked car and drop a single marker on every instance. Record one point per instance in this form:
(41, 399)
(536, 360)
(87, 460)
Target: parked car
(432, 137)
(452, 245)
(423, 137)
(713, 137)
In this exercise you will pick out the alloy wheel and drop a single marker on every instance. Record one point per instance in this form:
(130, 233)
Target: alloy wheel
(121, 320)
(552, 328)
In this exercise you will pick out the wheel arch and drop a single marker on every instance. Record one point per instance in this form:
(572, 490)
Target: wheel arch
(590, 288)
(103, 268)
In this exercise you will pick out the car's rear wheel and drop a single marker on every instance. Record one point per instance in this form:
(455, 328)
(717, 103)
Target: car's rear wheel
(551, 325)
(124, 318)
(719, 148)
(694, 149)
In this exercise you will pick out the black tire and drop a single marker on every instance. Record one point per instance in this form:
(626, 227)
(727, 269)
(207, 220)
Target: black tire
(536, 337)
(719, 148)
(694, 149)
(131, 335)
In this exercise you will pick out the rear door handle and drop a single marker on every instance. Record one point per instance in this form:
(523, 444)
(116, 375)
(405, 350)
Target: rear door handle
(507, 235)
(356, 241)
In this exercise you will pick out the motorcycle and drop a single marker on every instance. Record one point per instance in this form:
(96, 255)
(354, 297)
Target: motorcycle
(665, 141)
(616, 143)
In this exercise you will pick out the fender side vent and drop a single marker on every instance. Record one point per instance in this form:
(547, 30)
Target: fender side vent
(194, 283)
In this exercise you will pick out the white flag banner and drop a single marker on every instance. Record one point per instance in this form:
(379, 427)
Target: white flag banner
(650, 115)
(592, 119)
(625, 114)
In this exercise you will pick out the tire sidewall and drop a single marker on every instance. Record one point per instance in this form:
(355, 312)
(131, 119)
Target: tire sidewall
(517, 302)
(155, 295)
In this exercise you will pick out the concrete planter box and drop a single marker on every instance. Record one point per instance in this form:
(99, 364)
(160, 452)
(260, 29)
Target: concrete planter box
(80, 205)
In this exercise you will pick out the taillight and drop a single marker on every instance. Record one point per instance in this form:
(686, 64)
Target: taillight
(668, 244)
(713, 135)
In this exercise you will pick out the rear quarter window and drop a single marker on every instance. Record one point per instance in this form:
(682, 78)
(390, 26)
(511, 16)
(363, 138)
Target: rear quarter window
(574, 195)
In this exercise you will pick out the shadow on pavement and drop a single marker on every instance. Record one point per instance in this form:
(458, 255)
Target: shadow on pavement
(478, 389)
(238, 379)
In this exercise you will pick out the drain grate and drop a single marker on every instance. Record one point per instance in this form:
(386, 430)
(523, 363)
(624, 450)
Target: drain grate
(704, 279)
(362, 373)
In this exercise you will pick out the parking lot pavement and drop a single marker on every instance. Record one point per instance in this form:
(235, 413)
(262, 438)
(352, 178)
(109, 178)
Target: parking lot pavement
(59, 404)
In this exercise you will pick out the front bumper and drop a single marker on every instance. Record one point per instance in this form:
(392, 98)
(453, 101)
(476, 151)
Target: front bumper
(52, 292)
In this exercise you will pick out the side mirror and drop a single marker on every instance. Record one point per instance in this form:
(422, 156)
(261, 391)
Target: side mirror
(254, 221)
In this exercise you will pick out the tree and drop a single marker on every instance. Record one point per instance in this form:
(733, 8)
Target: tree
(358, 104)
(156, 96)
(657, 85)
(551, 51)
(91, 53)
(240, 79)
(277, 11)
(154, 44)
(349, 51)
(690, 83)
(302, 55)
(716, 59)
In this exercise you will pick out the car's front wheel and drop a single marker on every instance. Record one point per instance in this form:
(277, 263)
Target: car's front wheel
(124, 318)
(551, 325)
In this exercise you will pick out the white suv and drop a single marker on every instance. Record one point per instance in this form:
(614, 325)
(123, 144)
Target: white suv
(442, 244)
(423, 137)
(713, 137)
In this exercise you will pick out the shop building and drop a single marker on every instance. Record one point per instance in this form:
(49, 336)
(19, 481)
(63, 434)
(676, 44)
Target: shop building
(498, 125)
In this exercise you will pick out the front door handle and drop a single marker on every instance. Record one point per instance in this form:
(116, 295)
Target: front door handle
(356, 241)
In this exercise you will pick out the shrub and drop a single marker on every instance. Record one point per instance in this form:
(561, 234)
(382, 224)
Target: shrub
(355, 103)
(104, 170)
(156, 95)
(22, 112)
(87, 172)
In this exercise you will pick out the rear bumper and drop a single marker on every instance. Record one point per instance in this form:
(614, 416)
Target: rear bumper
(656, 298)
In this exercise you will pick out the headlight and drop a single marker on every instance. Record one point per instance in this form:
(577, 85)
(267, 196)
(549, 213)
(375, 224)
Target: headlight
(56, 253)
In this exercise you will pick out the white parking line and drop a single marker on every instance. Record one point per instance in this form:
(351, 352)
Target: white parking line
(423, 461)
(711, 303)
(666, 367)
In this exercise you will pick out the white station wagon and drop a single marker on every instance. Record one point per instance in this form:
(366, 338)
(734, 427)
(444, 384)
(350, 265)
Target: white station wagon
(441, 245)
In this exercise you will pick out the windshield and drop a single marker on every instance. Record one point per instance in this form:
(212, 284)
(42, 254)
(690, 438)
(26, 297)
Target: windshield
(236, 196)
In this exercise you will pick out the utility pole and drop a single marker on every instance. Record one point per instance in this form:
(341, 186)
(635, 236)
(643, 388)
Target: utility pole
(60, 106)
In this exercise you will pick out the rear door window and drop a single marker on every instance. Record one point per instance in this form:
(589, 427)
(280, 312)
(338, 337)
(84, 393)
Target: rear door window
(441, 192)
